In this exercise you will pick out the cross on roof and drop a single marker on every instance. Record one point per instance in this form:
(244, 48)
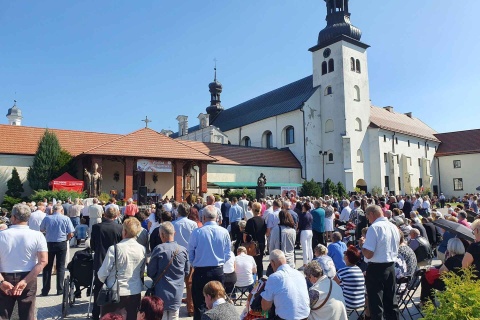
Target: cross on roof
(146, 120)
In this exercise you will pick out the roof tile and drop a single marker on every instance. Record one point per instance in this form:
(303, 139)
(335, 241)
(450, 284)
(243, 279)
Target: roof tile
(459, 142)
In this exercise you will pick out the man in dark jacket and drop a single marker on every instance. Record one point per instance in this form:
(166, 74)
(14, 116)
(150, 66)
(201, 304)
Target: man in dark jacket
(225, 209)
(431, 231)
(407, 206)
(104, 234)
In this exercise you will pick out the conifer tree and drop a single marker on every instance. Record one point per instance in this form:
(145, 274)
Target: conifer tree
(14, 185)
(341, 189)
(45, 162)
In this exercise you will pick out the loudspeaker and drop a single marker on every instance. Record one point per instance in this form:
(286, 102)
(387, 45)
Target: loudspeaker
(142, 195)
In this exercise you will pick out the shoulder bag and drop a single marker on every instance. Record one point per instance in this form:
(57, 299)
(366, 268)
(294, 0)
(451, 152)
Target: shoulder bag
(108, 295)
(151, 291)
(324, 301)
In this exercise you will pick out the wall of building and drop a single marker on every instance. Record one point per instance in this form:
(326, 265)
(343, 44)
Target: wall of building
(7, 163)
(208, 134)
(468, 172)
(230, 173)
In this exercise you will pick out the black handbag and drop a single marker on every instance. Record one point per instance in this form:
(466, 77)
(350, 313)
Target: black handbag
(108, 295)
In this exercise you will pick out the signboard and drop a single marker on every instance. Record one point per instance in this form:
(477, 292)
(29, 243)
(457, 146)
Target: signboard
(145, 165)
(289, 191)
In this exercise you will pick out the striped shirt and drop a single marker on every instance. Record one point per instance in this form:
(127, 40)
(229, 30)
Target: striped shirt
(353, 285)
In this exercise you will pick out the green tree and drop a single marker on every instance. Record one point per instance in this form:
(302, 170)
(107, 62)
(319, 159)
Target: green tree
(330, 188)
(310, 188)
(45, 161)
(64, 164)
(14, 185)
(342, 192)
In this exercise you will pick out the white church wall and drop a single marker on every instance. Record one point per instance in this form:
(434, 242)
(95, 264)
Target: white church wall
(313, 137)
(464, 167)
(7, 163)
(231, 173)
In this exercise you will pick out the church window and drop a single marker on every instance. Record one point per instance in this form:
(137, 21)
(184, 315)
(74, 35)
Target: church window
(359, 156)
(399, 184)
(418, 145)
(428, 147)
(419, 162)
(409, 143)
(324, 67)
(359, 70)
(331, 65)
(328, 90)
(458, 184)
(330, 157)
(352, 64)
(246, 142)
(396, 140)
(358, 124)
(385, 157)
(267, 139)
(289, 135)
(329, 126)
(384, 138)
(457, 164)
(357, 93)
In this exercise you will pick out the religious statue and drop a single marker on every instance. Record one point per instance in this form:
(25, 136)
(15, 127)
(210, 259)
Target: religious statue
(93, 182)
(262, 180)
(188, 181)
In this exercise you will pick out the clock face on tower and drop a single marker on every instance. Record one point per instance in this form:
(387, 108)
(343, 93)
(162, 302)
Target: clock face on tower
(327, 52)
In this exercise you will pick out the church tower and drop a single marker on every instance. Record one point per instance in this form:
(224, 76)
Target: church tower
(340, 70)
(215, 107)
(14, 115)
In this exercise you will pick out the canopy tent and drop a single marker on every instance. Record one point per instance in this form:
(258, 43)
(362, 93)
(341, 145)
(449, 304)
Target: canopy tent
(67, 182)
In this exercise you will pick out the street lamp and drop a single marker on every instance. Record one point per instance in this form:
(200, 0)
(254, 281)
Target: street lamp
(323, 154)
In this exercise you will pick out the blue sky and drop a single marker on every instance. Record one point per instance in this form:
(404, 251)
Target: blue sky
(104, 65)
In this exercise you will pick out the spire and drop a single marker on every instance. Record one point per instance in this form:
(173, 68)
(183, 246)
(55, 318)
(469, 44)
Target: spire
(338, 23)
(215, 89)
(14, 115)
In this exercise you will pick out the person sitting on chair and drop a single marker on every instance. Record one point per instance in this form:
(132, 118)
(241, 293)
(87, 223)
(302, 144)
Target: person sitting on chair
(245, 268)
(421, 247)
(215, 299)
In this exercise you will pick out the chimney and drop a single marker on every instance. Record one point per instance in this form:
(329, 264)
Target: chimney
(182, 125)
(388, 108)
(166, 132)
(409, 114)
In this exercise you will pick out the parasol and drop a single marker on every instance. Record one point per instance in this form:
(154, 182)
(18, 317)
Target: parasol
(456, 228)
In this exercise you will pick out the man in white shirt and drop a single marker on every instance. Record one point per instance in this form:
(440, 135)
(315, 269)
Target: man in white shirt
(95, 212)
(345, 214)
(243, 203)
(273, 219)
(23, 255)
(37, 217)
(211, 202)
(380, 250)
(245, 268)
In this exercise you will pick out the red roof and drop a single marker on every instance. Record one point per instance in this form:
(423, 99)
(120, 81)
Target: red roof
(149, 144)
(246, 156)
(401, 123)
(459, 142)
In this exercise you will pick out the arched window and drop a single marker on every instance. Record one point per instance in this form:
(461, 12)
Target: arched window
(328, 90)
(359, 70)
(331, 66)
(330, 156)
(329, 127)
(246, 142)
(358, 124)
(356, 93)
(324, 67)
(352, 64)
(289, 135)
(359, 155)
(267, 139)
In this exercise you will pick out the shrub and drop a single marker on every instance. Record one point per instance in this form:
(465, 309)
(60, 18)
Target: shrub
(330, 188)
(251, 194)
(342, 192)
(377, 191)
(63, 195)
(460, 300)
(311, 189)
(9, 202)
(14, 185)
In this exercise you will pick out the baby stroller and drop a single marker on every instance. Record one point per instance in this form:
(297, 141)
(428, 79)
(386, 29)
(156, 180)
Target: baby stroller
(81, 277)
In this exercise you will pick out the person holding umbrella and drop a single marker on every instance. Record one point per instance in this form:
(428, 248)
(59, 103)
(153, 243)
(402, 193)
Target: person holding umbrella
(472, 256)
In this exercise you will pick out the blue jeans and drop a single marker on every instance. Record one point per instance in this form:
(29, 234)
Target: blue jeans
(75, 221)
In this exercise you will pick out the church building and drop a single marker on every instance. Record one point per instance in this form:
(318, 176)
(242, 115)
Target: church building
(328, 121)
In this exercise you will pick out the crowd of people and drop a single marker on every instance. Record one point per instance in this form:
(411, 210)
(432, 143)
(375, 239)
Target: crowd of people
(354, 251)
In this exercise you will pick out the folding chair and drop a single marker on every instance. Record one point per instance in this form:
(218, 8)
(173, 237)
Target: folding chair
(356, 310)
(241, 294)
(408, 292)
